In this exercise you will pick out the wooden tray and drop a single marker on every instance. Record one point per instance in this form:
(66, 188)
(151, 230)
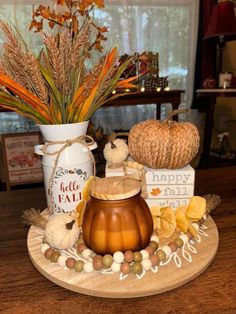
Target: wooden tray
(96, 284)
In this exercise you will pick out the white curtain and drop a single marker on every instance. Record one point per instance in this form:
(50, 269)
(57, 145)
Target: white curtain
(168, 27)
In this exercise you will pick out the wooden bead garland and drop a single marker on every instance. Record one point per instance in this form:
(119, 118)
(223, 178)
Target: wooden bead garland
(125, 263)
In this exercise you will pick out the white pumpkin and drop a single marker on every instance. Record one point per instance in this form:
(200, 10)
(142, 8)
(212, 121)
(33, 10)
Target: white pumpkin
(115, 152)
(61, 231)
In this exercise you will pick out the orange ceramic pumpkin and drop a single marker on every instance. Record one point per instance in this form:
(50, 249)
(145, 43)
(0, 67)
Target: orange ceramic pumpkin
(117, 225)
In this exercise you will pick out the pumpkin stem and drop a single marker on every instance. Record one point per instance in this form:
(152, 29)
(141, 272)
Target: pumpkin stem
(174, 113)
(113, 146)
(69, 225)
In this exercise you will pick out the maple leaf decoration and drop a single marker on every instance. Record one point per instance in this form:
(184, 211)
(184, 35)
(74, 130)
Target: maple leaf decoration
(155, 191)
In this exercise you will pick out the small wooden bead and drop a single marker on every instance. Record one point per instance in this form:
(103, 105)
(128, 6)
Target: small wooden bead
(161, 254)
(155, 260)
(70, 262)
(88, 267)
(167, 250)
(137, 268)
(81, 247)
(144, 253)
(184, 238)
(179, 242)
(107, 260)
(154, 245)
(128, 255)
(48, 252)
(115, 267)
(86, 253)
(150, 250)
(54, 256)
(147, 264)
(189, 235)
(79, 241)
(118, 257)
(79, 266)
(44, 247)
(44, 240)
(155, 238)
(137, 256)
(62, 260)
(97, 262)
(125, 268)
(173, 246)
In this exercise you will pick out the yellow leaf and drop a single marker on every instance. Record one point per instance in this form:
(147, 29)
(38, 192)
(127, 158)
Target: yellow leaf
(156, 213)
(155, 210)
(196, 208)
(86, 188)
(167, 222)
(181, 220)
(80, 208)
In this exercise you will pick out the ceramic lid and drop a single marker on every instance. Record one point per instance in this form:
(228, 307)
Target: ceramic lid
(115, 188)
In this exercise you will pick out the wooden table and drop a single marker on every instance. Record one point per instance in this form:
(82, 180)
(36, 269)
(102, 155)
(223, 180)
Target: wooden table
(24, 290)
(207, 101)
(149, 97)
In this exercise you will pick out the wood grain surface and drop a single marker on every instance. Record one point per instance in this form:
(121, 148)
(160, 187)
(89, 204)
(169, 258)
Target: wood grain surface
(24, 290)
(97, 284)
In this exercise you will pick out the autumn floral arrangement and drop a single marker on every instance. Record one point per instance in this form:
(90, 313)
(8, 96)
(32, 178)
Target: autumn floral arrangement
(57, 86)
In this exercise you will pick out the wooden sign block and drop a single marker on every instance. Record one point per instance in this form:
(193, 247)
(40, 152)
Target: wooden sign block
(165, 187)
(184, 176)
(164, 202)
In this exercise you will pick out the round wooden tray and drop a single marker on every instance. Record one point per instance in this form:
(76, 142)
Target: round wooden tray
(97, 284)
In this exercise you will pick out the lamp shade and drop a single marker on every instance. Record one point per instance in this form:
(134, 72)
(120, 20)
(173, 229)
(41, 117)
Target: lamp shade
(222, 22)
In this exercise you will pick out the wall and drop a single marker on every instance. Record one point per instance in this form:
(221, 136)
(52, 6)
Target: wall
(225, 112)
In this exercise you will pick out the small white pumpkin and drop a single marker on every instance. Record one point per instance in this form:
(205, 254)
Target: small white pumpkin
(61, 231)
(115, 152)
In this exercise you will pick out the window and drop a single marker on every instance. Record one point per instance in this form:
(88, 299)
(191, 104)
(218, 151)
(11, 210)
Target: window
(168, 27)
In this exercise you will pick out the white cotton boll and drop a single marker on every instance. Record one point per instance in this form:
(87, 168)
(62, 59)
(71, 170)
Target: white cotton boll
(116, 151)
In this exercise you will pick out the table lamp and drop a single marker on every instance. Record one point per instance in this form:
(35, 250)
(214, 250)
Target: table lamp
(222, 28)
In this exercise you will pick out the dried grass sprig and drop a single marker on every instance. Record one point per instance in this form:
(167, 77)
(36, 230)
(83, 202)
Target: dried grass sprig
(20, 64)
(34, 217)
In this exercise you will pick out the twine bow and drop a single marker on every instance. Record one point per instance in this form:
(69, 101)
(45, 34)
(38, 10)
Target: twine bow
(80, 140)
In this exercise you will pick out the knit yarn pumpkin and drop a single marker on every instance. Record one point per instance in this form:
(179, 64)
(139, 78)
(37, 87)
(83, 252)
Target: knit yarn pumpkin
(164, 144)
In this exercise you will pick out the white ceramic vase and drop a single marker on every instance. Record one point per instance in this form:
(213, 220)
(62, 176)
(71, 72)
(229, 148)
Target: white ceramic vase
(74, 166)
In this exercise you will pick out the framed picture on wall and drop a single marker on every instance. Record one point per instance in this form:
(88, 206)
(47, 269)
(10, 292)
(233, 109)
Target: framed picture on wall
(21, 164)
